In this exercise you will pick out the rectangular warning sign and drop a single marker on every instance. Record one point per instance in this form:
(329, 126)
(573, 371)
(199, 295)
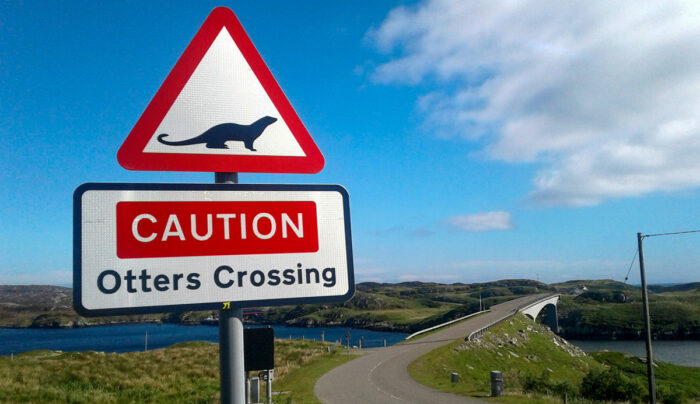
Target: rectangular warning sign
(142, 248)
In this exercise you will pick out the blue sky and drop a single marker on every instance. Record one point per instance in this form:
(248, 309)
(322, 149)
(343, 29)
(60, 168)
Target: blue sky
(478, 140)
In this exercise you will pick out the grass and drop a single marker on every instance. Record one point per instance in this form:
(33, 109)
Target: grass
(185, 372)
(521, 349)
(667, 314)
(402, 317)
(516, 347)
(182, 373)
(298, 385)
(425, 334)
(613, 308)
(685, 380)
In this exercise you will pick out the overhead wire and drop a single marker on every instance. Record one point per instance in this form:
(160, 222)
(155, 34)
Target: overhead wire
(634, 258)
(670, 234)
(636, 251)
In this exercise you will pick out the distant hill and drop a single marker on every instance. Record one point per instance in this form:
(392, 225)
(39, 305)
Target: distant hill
(598, 284)
(601, 308)
(45, 306)
(21, 304)
(607, 309)
(44, 296)
(405, 306)
(674, 288)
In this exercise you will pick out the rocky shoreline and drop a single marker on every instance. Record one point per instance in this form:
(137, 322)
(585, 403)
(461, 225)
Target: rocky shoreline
(617, 333)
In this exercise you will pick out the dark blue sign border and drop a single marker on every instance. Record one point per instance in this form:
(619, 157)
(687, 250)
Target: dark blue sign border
(77, 246)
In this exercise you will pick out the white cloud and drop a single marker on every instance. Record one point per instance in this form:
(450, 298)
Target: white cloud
(603, 96)
(365, 272)
(483, 221)
(480, 270)
(546, 270)
(429, 276)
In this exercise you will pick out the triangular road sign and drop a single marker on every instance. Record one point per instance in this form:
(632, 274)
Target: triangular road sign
(220, 109)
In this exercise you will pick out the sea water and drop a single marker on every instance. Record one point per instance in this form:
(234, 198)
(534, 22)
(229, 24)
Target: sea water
(134, 337)
(679, 352)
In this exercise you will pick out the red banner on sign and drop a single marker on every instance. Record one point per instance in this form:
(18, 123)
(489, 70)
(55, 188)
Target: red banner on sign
(185, 229)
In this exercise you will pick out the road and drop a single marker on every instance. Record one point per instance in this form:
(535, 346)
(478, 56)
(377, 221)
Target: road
(381, 376)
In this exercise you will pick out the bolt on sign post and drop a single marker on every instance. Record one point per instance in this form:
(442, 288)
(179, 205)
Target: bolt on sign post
(144, 248)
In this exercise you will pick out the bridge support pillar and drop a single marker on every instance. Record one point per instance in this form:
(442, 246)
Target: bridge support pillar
(551, 317)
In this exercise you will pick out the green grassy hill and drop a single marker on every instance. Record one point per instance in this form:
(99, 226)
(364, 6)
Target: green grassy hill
(541, 367)
(608, 309)
(517, 347)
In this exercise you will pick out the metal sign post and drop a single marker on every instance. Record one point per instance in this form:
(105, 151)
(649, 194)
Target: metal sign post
(231, 364)
(269, 386)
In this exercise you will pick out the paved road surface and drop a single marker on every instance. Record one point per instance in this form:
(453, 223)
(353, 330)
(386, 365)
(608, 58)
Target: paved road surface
(381, 376)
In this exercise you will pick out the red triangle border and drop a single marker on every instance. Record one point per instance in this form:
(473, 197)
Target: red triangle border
(131, 155)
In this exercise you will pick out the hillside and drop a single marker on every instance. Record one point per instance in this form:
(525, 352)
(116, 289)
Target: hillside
(21, 305)
(517, 347)
(603, 309)
(407, 306)
(541, 367)
(42, 306)
(607, 309)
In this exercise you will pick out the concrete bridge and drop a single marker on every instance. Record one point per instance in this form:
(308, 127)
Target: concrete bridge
(549, 304)
(380, 375)
(531, 309)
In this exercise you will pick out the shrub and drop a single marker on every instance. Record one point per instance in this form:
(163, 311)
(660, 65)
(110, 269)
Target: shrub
(538, 384)
(668, 396)
(543, 384)
(611, 385)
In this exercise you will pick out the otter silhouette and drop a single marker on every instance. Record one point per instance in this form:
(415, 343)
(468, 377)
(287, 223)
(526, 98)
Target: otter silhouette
(217, 136)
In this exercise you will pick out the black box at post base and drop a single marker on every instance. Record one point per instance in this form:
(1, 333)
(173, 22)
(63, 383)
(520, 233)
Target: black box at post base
(259, 348)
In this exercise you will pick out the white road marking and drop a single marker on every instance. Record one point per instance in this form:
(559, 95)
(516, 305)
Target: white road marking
(371, 372)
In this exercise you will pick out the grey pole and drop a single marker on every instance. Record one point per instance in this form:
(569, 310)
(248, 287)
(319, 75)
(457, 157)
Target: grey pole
(647, 321)
(269, 387)
(231, 365)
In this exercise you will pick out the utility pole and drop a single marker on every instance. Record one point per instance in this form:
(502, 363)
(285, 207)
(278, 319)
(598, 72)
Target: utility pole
(647, 321)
